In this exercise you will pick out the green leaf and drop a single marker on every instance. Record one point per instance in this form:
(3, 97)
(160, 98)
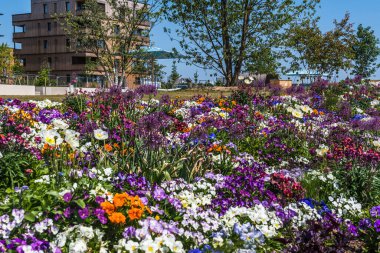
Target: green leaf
(30, 217)
(80, 203)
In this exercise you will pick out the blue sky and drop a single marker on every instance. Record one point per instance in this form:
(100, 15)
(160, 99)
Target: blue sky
(364, 12)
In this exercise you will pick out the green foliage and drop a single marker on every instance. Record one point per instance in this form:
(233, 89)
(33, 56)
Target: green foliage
(366, 51)
(43, 78)
(7, 60)
(174, 75)
(323, 53)
(114, 40)
(361, 183)
(13, 166)
(224, 35)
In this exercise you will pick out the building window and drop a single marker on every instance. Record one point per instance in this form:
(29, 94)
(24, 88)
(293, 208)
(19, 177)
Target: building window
(80, 5)
(56, 26)
(23, 62)
(45, 44)
(67, 6)
(46, 9)
(49, 26)
(78, 60)
(55, 7)
(68, 43)
(49, 61)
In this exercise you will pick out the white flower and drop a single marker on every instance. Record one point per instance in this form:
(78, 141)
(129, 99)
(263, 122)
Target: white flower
(61, 240)
(100, 134)
(297, 113)
(72, 138)
(79, 246)
(131, 246)
(322, 150)
(375, 102)
(108, 171)
(149, 246)
(87, 232)
(52, 137)
(177, 247)
(60, 124)
(1, 155)
(376, 143)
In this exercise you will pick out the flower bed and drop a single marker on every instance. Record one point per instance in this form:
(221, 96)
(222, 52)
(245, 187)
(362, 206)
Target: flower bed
(110, 172)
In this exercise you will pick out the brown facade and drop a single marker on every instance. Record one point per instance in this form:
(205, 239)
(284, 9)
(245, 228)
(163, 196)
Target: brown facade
(39, 39)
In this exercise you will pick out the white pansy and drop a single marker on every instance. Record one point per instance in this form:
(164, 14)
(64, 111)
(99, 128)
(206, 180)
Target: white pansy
(52, 137)
(100, 134)
(149, 246)
(322, 150)
(72, 138)
(78, 246)
(59, 124)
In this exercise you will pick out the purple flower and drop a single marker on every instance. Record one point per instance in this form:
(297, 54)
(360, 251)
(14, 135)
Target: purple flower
(83, 213)
(352, 229)
(365, 223)
(99, 200)
(129, 232)
(67, 213)
(376, 225)
(159, 193)
(67, 197)
(375, 211)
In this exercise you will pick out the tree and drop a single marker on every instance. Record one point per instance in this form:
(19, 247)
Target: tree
(111, 35)
(222, 34)
(263, 61)
(174, 75)
(366, 52)
(7, 60)
(196, 78)
(322, 53)
(43, 78)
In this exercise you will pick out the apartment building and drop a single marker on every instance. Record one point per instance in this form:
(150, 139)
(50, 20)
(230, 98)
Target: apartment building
(38, 38)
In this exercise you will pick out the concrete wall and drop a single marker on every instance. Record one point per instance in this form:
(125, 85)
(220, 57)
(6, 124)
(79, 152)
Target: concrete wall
(14, 90)
(51, 90)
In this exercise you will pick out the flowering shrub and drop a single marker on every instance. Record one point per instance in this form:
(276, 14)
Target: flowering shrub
(124, 172)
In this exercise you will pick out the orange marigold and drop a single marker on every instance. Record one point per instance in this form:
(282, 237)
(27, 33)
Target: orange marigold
(108, 207)
(117, 218)
(135, 213)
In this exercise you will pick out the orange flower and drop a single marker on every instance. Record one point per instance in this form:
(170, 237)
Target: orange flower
(116, 146)
(117, 218)
(135, 213)
(108, 147)
(108, 207)
(120, 199)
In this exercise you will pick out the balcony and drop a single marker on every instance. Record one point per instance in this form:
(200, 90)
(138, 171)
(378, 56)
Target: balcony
(21, 17)
(19, 35)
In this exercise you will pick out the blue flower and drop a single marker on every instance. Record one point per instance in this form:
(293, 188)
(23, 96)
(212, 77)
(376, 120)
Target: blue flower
(212, 136)
(195, 251)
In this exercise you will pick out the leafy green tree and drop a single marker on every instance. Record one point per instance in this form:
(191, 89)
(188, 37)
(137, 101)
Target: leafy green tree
(263, 61)
(323, 53)
(222, 34)
(174, 75)
(43, 78)
(7, 60)
(366, 51)
(196, 78)
(113, 32)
